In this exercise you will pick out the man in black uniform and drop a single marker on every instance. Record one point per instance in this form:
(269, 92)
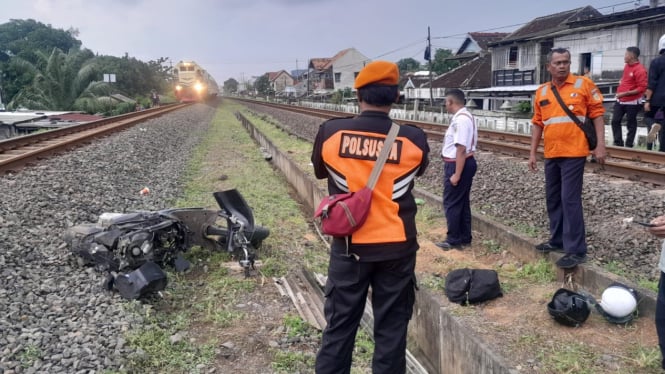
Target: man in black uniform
(382, 253)
(654, 102)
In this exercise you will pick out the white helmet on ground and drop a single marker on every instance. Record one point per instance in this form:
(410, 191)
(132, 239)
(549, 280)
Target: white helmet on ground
(618, 303)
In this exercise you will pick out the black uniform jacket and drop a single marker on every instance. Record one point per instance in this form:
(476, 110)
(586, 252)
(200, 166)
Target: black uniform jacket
(345, 151)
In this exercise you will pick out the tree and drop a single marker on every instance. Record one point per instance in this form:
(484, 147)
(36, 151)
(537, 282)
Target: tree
(262, 85)
(406, 65)
(61, 81)
(440, 64)
(230, 86)
(23, 38)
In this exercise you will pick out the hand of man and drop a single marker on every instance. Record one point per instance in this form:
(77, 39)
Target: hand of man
(659, 228)
(454, 179)
(647, 106)
(600, 153)
(532, 163)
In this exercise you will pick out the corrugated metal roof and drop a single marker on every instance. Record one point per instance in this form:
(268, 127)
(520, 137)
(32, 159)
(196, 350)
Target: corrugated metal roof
(20, 117)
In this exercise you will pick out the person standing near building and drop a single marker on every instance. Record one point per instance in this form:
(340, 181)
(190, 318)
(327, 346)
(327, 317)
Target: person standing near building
(460, 166)
(654, 103)
(629, 96)
(566, 149)
(382, 252)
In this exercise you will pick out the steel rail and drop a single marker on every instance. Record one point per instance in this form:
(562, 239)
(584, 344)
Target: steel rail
(23, 150)
(632, 164)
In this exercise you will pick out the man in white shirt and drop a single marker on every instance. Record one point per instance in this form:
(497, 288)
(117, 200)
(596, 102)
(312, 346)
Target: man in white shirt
(460, 166)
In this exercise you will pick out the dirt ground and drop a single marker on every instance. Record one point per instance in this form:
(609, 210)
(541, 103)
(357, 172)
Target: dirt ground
(519, 328)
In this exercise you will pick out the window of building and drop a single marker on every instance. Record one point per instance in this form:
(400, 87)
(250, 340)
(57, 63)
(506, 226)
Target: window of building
(338, 77)
(512, 57)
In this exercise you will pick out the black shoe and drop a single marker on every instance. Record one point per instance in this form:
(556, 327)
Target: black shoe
(570, 261)
(547, 247)
(447, 246)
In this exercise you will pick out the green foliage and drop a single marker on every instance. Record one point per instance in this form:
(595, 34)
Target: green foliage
(492, 246)
(406, 65)
(339, 95)
(648, 284)
(45, 68)
(292, 362)
(230, 86)
(159, 351)
(539, 272)
(524, 107)
(262, 85)
(440, 64)
(28, 355)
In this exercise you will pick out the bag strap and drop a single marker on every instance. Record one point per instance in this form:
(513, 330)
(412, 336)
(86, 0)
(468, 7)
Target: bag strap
(565, 108)
(383, 156)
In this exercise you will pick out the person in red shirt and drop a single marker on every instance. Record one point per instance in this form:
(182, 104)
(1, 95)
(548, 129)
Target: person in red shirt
(566, 149)
(629, 96)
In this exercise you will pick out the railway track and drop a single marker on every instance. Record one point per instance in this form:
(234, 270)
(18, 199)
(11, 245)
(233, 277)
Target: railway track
(631, 164)
(19, 151)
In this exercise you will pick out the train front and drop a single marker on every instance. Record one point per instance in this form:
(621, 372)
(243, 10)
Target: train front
(190, 85)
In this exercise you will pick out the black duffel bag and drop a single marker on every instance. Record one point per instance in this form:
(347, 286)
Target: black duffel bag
(471, 286)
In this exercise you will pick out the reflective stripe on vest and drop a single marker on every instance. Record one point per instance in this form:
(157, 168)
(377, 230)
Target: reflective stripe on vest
(578, 83)
(562, 119)
(543, 91)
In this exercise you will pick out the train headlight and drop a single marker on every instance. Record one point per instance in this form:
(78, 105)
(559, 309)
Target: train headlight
(198, 87)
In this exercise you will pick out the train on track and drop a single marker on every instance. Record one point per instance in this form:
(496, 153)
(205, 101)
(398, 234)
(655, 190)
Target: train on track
(193, 83)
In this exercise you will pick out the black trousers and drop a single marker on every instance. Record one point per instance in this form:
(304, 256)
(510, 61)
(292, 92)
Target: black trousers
(631, 123)
(393, 294)
(457, 203)
(660, 317)
(564, 178)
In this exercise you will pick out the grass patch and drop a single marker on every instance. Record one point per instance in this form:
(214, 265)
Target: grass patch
(160, 348)
(29, 354)
(433, 282)
(492, 247)
(615, 268)
(569, 358)
(292, 362)
(648, 284)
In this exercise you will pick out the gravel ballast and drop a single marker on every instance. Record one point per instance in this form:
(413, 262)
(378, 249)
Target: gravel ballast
(55, 318)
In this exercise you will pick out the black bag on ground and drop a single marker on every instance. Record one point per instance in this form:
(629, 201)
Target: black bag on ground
(472, 286)
(146, 279)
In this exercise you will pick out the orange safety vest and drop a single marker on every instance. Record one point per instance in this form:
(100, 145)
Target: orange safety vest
(563, 137)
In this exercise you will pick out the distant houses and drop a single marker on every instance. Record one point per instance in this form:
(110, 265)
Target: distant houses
(498, 70)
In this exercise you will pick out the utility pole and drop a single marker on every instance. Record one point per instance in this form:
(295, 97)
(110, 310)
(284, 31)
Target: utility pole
(428, 56)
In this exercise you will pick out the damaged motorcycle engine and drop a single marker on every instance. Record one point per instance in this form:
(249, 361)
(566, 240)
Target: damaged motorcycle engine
(134, 247)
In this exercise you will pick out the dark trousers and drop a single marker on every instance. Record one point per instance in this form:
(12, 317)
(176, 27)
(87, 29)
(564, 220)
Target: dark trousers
(660, 317)
(393, 294)
(631, 123)
(563, 189)
(649, 121)
(457, 203)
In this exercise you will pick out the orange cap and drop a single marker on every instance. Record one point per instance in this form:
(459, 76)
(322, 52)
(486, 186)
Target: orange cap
(378, 72)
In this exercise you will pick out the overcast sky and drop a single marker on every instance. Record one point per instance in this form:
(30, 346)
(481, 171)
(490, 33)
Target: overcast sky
(242, 38)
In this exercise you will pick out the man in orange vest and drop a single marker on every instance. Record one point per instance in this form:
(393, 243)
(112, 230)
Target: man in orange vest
(382, 253)
(566, 150)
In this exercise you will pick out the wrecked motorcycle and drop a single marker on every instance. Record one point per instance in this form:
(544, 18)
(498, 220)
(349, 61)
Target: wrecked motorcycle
(134, 247)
